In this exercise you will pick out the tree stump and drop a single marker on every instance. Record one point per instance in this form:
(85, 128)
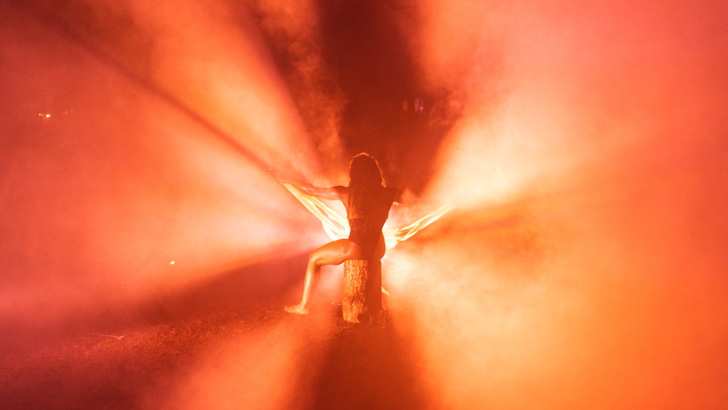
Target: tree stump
(362, 290)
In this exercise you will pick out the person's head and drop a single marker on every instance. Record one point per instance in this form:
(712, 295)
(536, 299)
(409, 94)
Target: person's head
(364, 170)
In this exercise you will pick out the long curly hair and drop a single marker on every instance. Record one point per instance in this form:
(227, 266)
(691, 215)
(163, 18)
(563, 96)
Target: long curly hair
(364, 171)
(365, 177)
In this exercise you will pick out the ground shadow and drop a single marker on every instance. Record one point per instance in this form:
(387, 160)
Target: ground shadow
(255, 284)
(370, 367)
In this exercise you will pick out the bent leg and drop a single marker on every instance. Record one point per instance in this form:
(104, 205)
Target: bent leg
(380, 249)
(333, 253)
(379, 254)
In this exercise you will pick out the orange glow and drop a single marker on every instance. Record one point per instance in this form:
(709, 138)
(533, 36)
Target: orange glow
(164, 162)
(258, 370)
(337, 227)
(580, 146)
(574, 273)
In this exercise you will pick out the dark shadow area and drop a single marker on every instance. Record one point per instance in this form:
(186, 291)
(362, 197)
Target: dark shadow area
(370, 367)
(239, 290)
(117, 359)
(138, 364)
(256, 284)
(365, 45)
(122, 370)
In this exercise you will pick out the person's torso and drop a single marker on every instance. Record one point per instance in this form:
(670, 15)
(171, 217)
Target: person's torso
(375, 207)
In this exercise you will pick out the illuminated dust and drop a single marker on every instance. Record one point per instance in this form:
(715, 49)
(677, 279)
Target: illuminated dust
(563, 165)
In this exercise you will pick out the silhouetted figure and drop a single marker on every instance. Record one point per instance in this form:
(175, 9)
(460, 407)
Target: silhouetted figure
(367, 201)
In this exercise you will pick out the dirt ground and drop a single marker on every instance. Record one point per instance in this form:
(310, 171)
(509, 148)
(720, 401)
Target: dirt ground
(252, 355)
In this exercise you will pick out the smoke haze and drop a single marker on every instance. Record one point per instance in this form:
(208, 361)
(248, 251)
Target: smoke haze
(583, 145)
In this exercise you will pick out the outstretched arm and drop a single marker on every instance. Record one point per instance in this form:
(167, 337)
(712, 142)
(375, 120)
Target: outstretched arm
(319, 192)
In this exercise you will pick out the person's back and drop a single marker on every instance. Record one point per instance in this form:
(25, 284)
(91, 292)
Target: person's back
(367, 211)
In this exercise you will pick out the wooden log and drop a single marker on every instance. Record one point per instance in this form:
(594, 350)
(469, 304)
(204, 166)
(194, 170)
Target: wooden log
(362, 290)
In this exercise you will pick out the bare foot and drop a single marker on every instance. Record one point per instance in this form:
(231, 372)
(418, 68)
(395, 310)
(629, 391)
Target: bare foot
(297, 309)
